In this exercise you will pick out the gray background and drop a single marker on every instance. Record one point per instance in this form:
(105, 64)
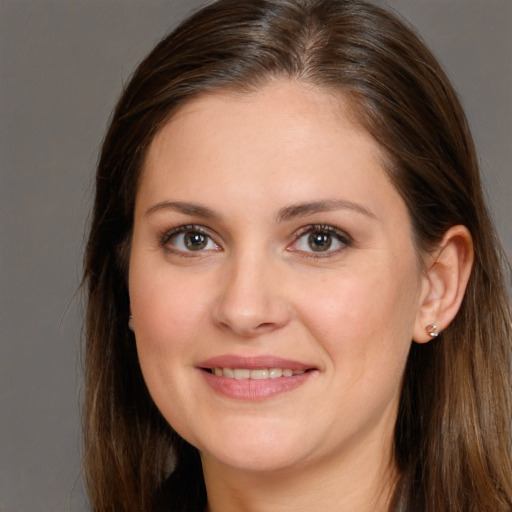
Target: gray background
(62, 66)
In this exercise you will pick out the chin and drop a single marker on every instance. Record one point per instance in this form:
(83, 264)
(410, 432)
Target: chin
(254, 451)
(258, 461)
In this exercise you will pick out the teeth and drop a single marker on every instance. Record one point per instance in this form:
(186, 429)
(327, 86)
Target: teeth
(259, 374)
(242, 374)
(228, 372)
(274, 373)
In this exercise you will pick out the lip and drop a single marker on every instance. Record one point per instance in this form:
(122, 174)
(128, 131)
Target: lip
(249, 389)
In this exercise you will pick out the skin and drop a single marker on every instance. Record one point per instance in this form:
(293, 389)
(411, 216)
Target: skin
(257, 288)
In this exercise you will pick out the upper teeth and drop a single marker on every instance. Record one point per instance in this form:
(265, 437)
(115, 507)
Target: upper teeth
(259, 374)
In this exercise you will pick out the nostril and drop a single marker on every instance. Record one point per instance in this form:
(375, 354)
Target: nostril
(265, 326)
(248, 325)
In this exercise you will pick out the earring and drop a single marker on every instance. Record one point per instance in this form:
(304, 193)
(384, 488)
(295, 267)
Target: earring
(432, 330)
(130, 323)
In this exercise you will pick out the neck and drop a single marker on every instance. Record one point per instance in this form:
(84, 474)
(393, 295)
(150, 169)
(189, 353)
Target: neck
(362, 480)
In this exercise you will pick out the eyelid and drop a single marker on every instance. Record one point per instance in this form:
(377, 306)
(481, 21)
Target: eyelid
(342, 236)
(327, 228)
(312, 228)
(169, 234)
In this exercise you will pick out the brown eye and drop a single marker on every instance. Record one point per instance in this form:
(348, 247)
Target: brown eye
(186, 239)
(320, 242)
(195, 241)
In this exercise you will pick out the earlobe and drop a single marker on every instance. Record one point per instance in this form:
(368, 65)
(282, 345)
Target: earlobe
(444, 284)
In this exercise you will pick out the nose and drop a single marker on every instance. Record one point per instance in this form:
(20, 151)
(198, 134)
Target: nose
(252, 299)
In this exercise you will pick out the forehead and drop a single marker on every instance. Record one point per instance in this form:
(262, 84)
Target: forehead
(277, 117)
(287, 141)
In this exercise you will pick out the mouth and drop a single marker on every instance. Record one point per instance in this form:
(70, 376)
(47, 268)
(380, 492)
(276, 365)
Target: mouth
(254, 378)
(254, 374)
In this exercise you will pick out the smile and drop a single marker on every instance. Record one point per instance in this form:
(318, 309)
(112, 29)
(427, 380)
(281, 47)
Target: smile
(254, 378)
(256, 374)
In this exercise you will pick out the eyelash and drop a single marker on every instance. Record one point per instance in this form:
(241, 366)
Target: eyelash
(342, 237)
(180, 230)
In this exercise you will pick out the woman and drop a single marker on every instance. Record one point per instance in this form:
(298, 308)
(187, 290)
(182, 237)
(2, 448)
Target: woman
(295, 291)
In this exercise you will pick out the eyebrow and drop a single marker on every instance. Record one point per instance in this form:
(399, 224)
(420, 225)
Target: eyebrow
(285, 214)
(185, 208)
(327, 205)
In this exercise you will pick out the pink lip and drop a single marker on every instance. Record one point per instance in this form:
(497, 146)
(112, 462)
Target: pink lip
(249, 389)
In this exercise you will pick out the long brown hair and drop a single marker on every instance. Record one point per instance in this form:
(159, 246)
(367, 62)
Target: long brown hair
(452, 437)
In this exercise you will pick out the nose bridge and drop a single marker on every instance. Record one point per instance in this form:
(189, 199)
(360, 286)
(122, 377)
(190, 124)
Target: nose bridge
(252, 299)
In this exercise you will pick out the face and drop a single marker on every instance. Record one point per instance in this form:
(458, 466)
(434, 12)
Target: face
(273, 281)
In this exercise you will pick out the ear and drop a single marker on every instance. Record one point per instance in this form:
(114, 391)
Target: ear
(444, 282)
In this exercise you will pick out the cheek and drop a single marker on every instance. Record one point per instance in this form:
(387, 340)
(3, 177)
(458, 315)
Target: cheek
(364, 320)
(167, 307)
(169, 315)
